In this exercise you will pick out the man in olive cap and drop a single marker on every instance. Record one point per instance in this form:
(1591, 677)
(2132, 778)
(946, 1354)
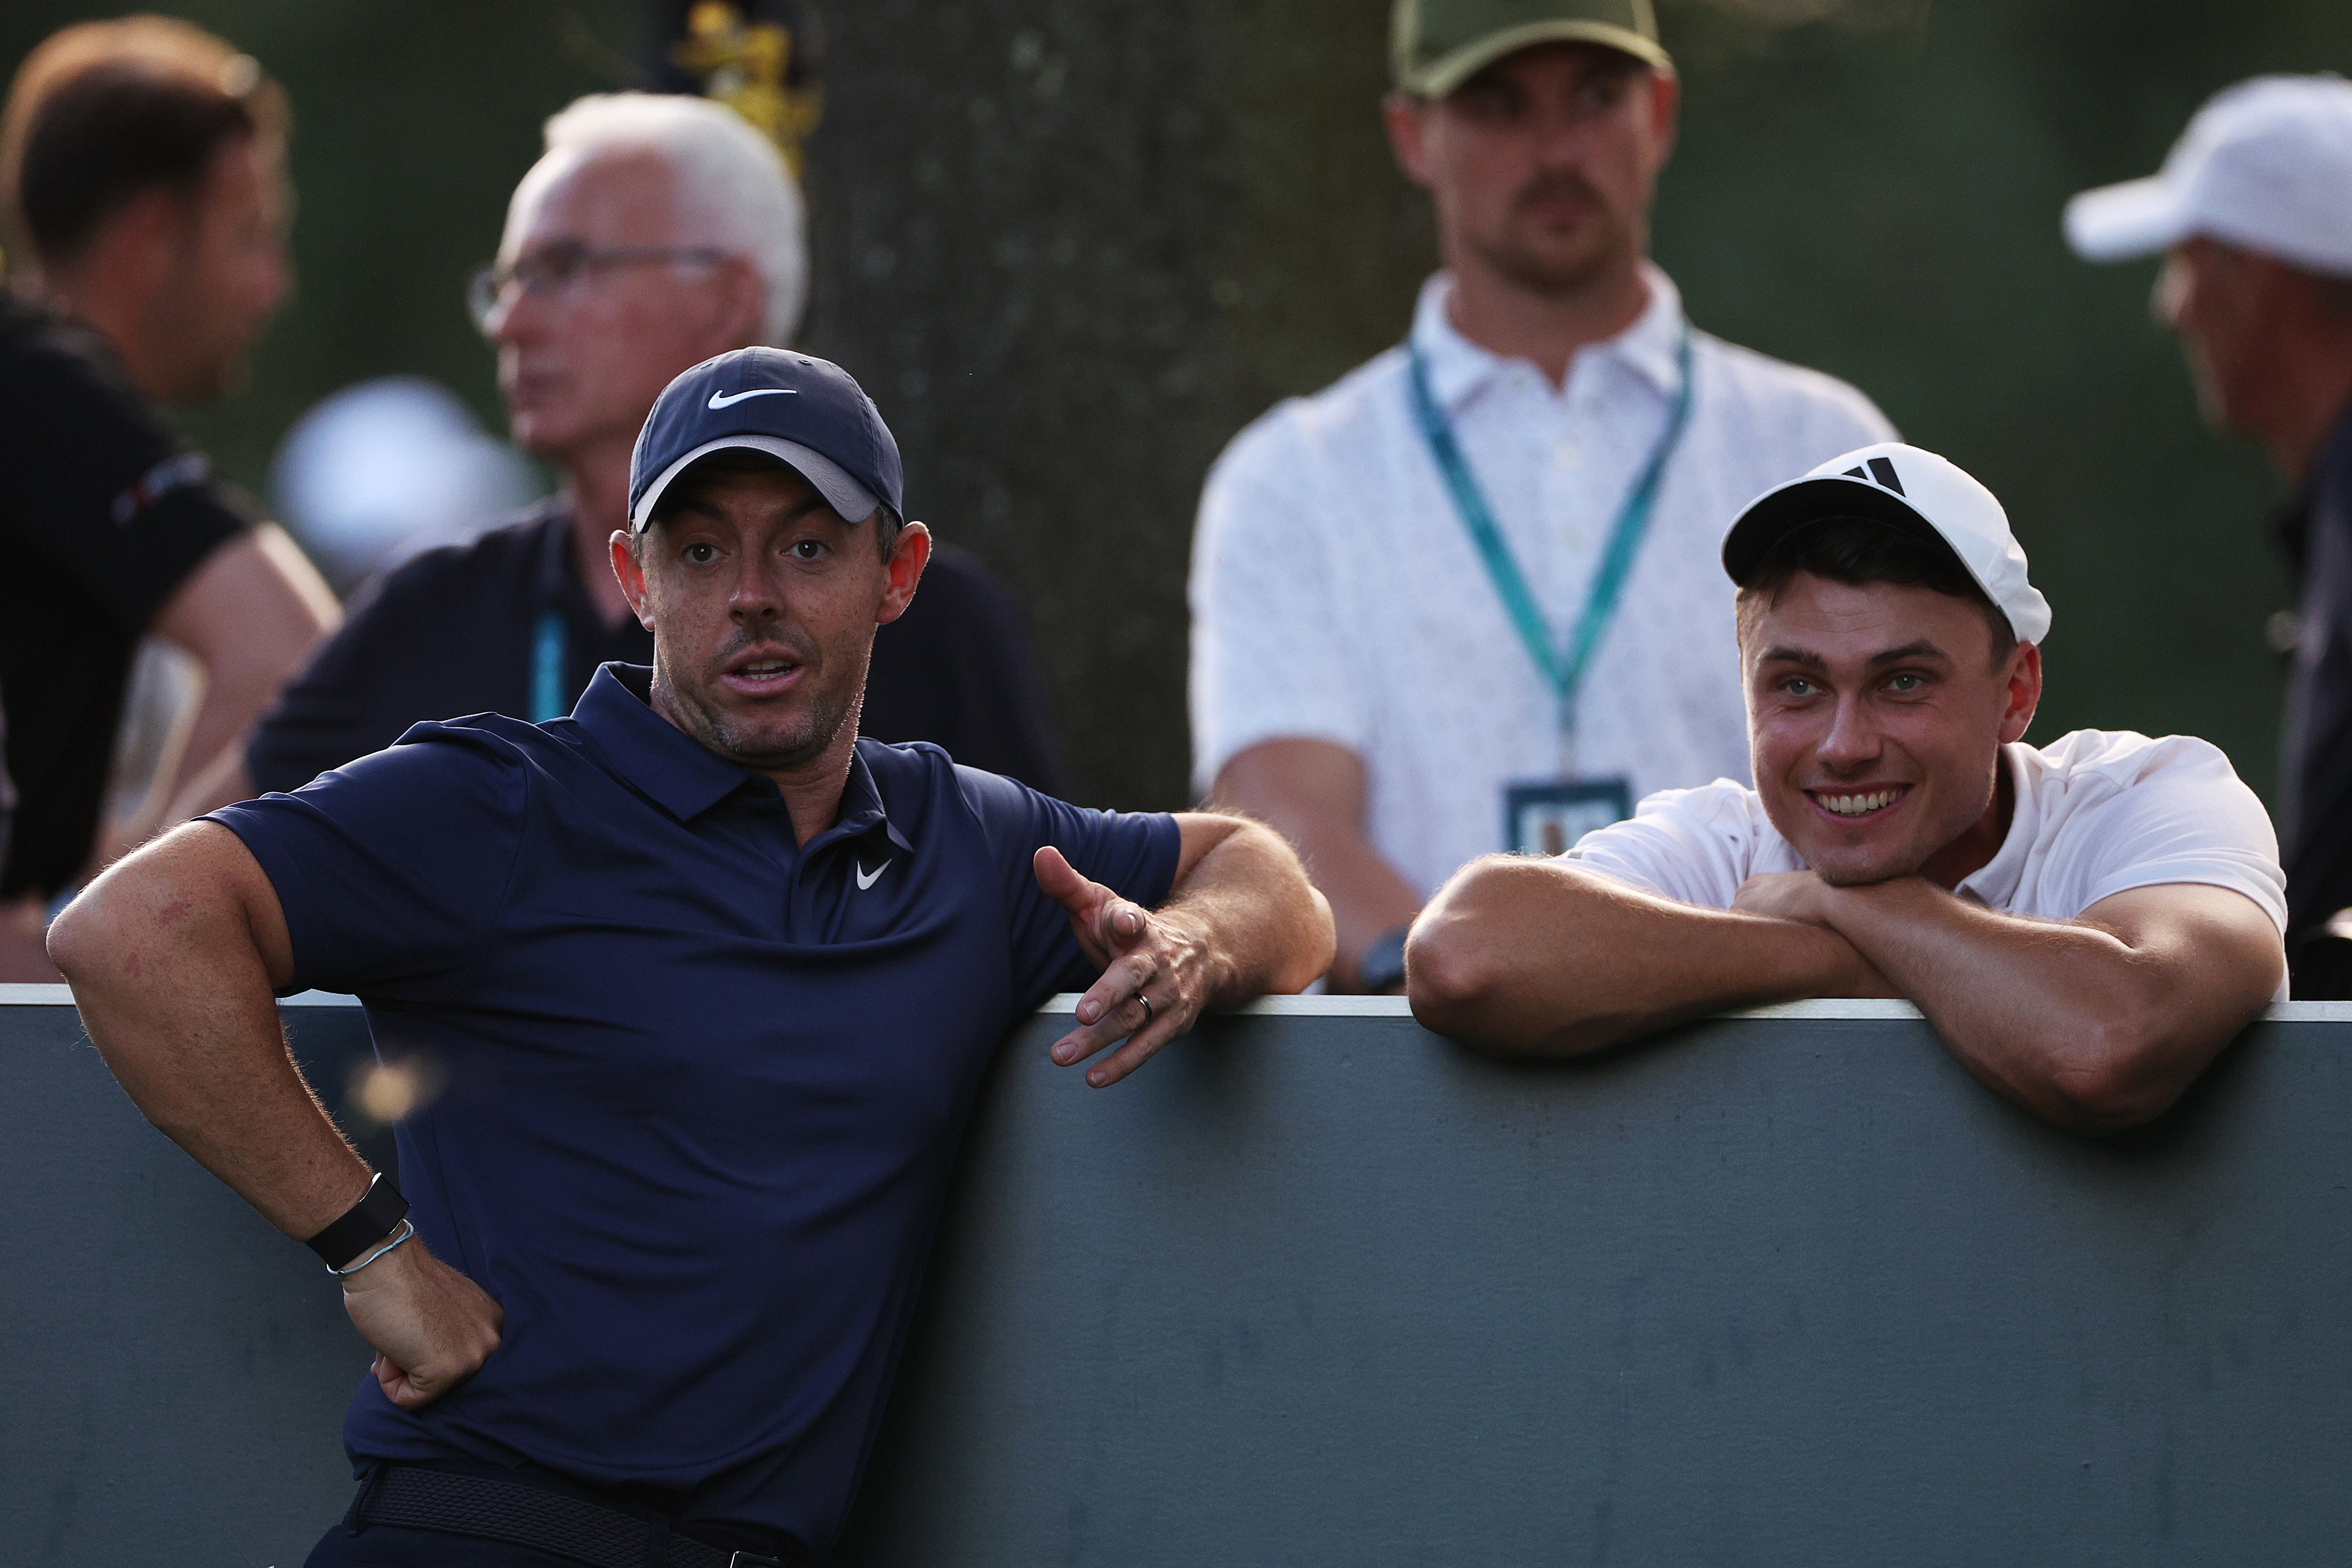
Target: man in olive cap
(1467, 598)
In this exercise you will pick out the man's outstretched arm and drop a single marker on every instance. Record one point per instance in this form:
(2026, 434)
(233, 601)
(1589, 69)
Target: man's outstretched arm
(1240, 920)
(175, 956)
(1525, 957)
(2094, 1024)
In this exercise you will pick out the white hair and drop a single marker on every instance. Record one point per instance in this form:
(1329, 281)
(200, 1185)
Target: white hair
(734, 192)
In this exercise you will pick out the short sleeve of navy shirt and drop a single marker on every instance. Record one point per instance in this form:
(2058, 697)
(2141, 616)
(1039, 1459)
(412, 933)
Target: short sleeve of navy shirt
(701, 1088)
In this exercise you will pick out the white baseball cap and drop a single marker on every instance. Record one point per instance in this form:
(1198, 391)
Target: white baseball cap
(2266, 165)
(1913, 490)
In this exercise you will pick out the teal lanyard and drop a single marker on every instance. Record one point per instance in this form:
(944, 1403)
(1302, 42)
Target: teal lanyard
(1563, 672)
(547, 669)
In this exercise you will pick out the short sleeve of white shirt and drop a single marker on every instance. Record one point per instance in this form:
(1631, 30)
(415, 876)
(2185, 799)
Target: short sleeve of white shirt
(1262, 580)
(1693, 846)
(2097, 812)
(2115, 811)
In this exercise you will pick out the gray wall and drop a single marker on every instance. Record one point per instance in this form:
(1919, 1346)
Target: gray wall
(1317, 1289)
(177, 1371)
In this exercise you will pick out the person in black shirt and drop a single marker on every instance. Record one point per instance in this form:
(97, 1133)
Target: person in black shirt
(504, 625)
(144, 212)
(2252, 216)
(657, 232)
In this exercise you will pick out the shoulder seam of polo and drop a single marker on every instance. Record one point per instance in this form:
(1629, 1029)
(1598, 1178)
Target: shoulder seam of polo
(514, 865)
(980, 824)
(511, 758)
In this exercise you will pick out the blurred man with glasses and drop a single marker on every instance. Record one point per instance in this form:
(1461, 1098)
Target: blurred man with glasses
(657, 232)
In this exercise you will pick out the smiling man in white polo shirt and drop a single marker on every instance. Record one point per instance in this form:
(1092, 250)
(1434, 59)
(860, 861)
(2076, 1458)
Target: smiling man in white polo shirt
(2085, 924)
(1464, 599)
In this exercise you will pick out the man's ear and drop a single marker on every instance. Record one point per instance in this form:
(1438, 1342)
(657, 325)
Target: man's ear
(908, 554)
(2022, 680)
(1665, 111)
(630, 573)
(146, 237)
(1407, 118)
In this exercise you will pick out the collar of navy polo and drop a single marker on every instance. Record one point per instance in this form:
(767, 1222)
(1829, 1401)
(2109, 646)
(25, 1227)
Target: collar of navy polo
(701, 1088)
(686, 778)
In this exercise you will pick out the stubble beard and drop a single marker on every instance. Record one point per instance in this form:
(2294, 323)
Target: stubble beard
(750, 744)
(1610, 242)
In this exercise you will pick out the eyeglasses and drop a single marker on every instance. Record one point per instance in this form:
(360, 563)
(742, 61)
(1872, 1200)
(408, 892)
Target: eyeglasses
(555, 269)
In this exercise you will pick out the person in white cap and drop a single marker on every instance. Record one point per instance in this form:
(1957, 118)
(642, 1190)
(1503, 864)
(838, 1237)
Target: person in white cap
(2085, 924)
(2252, 213)
(1465, 598)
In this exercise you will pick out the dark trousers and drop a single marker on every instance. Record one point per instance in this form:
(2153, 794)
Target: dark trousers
(353, 1544)
(387, 1546)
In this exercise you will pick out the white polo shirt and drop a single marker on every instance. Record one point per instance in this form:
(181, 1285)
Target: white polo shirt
(2098, 812)
(1337, 595)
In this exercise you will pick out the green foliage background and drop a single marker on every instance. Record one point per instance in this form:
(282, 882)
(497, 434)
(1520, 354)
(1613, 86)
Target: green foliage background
(1071, 246)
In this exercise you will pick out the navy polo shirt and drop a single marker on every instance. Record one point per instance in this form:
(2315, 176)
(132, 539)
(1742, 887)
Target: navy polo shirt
(701, 1086)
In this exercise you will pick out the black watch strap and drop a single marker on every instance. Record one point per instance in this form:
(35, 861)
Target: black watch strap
(365, 1223)
(1383, 965)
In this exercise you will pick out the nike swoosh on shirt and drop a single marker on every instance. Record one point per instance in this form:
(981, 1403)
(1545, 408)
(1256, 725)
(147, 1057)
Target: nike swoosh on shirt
(722, 399)
(865, 880)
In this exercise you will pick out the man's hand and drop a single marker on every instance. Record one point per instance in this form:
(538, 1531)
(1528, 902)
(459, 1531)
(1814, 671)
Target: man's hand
(432, 1327)
(1801, 898)
(1783, 896)
(1158, 972)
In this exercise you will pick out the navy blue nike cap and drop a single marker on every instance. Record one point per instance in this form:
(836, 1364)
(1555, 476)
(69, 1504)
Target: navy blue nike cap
(806, 413)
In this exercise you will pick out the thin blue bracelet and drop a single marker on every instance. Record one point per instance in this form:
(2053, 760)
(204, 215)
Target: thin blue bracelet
(407, 1228)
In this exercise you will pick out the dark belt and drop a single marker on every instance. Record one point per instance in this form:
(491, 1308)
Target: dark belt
(524, 1515)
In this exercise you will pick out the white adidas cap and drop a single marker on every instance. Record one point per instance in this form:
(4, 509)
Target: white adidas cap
(1914, 490)
(2266, 165)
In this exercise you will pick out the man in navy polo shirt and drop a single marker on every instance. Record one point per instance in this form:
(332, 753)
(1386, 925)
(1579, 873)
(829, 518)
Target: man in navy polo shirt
(711, 984)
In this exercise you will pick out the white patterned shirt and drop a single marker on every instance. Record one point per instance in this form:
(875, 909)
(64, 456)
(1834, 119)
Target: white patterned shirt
(1337, 595)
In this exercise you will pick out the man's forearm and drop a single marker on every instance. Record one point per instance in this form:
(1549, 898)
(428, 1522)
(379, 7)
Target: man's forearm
(173, 956)
(176, 996)
(225, 783)
(250, 614)
(1265, 928)
(1527, 957)
(2068, 1019)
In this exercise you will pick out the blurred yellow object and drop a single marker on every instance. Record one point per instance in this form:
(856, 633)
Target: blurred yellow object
(388, 1093)
(745, 66)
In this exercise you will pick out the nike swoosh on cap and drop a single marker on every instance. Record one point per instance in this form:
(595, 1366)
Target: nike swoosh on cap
(722, 399)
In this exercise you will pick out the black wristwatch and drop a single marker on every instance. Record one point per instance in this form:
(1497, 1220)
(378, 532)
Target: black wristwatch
(376, 1216)
(1383, 965)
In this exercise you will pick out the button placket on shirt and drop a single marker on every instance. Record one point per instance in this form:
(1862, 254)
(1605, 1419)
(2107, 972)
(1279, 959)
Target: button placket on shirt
(818, 863)
(1571, 425)
(766, 821)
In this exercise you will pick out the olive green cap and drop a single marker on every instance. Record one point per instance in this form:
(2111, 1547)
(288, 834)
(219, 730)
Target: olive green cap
(1438, 45)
